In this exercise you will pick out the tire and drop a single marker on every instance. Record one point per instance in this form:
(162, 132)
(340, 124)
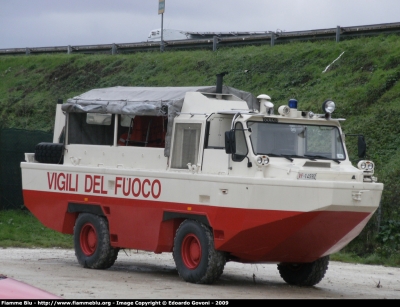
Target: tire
(304, 274)
(195, 257)
(92, 242)
(49, 153)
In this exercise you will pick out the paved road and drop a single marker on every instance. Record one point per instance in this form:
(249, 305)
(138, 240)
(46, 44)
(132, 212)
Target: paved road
(143, 275)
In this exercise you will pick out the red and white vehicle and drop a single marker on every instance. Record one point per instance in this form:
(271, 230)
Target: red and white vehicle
(210, 174)
(13, 289)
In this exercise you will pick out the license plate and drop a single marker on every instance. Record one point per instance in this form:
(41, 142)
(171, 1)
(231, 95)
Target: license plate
(304, 176)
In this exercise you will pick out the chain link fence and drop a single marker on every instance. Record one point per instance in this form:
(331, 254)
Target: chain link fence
(14, 143)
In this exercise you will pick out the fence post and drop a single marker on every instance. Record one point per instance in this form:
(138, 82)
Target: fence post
(215, 42)
(379, 216)
(272, 39)
(69, 49)
(27, 51)
(337, 34)
(114, 49)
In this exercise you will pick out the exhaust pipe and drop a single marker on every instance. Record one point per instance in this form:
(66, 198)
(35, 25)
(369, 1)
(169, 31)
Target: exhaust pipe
(220, 78)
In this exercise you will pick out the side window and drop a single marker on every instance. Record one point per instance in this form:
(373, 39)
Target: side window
(216, 131)
(90, 129)
(186, 145)
(241, 146)
(145, 131)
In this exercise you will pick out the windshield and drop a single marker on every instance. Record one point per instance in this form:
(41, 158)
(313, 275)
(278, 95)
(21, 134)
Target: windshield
(299, 141)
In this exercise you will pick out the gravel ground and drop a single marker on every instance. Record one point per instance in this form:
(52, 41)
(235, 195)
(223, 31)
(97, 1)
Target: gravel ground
(144, 275)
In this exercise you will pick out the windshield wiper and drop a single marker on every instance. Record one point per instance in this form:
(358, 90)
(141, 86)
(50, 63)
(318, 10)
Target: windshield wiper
(289, 157)
(280, 156)
(302, 157)
(322, 157)
(309, 157)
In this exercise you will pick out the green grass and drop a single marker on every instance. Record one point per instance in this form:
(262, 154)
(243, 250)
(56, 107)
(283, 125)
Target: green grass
(363, 83)
(19, 228)
(373, 259)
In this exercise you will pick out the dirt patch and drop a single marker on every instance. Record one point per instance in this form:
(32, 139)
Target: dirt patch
(143, 275)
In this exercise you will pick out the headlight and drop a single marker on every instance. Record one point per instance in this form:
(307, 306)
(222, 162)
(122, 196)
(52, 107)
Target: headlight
(366, 165)
(262, 160)
(328, 106)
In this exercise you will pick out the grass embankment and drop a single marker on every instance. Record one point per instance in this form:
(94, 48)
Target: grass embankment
(363, 83)
(19, 228)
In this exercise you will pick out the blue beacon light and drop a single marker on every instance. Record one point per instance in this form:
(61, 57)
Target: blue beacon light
(292, 104)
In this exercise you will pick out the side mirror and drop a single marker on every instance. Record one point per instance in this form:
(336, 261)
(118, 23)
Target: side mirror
(230, 142)
(362, 146)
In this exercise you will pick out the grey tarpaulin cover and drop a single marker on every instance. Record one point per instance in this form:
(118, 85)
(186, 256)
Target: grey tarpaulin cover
(144, 101)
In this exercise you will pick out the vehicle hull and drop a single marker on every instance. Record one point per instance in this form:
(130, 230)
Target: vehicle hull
(257, 221)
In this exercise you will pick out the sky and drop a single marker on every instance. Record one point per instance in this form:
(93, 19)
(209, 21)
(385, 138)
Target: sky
(49, 23)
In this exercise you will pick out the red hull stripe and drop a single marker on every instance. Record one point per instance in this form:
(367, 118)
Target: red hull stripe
(248, 235)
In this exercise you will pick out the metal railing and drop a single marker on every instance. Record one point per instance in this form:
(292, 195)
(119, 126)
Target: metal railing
(213, 42)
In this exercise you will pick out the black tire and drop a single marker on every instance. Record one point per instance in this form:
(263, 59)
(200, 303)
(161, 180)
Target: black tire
(49, 153)
(304, 274)
(92, 242)
(195, 257)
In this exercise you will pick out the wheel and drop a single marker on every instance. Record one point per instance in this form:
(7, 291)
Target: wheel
(195, 257)
(49, 153)
(92, 242)
(304, 274)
